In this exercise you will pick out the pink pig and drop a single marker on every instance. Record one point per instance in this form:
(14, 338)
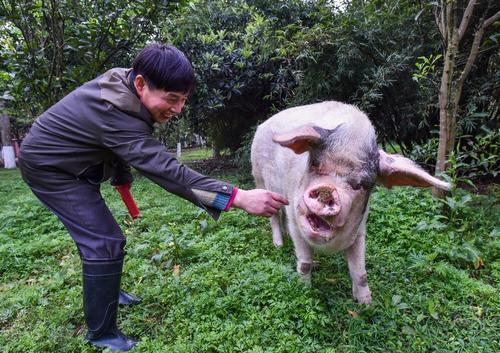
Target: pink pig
(324, 158)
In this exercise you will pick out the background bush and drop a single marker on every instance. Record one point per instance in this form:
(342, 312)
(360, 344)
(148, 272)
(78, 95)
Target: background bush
(254, 58)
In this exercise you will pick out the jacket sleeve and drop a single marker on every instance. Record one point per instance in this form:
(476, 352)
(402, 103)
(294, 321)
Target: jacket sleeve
(131, 140)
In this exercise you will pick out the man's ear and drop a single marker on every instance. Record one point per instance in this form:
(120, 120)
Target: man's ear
(139, 84)
(395, 170)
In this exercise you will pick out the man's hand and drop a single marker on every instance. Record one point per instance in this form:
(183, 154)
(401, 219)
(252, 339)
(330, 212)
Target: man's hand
(259, 202)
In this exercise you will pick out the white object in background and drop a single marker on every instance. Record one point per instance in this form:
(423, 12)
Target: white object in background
(9, 159)
(179, 149)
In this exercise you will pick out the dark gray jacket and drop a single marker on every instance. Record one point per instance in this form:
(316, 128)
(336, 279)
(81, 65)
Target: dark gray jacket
(100, 127)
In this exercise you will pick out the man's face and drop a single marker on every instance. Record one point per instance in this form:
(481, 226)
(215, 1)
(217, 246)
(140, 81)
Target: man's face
(162, 105)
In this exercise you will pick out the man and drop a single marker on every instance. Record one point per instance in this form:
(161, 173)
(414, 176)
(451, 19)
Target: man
(95, 133)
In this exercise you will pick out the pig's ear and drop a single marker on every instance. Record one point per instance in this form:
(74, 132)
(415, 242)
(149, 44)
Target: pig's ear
(395, 170)
(299, 140)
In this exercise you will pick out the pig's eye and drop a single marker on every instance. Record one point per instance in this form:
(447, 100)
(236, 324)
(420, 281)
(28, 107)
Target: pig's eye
(355, 185)
(320, 171)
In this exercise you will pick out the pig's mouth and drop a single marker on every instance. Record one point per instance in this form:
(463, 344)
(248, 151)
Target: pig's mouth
(318, 224)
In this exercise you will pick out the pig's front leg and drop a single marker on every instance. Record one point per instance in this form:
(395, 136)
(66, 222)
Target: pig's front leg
(303, 252)
(356, 261)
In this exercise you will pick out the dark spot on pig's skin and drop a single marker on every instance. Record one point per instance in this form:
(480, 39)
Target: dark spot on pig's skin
(316, 156)
(389, 160)
(305, 268)
(326, 135)
(370, 169)
(363, 281)
(324, 161)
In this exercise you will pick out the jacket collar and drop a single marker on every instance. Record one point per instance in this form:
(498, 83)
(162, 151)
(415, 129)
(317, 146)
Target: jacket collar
(118, 89)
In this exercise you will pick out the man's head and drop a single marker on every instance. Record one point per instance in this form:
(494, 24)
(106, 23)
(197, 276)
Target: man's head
(164, 78)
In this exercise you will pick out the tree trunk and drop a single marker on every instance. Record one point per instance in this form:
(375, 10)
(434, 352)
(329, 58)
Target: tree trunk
(447, 118)
(450, 90)
(9, 159)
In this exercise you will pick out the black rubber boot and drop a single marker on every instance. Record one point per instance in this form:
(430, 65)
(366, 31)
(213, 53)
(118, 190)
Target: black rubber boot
(128, 299)
(101, 287)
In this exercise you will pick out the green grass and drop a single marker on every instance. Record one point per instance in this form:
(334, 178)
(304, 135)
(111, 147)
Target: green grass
(195, 154)
(434, 279)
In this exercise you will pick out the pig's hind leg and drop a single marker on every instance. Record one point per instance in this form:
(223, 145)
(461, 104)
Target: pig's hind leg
(356, 261)
(275, 219)
(278, 226)
(276, 229)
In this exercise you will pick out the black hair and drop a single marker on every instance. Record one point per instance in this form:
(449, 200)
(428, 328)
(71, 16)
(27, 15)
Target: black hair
(165, 67)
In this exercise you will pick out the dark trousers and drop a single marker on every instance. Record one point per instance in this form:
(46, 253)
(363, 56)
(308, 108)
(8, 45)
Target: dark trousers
(80, 207)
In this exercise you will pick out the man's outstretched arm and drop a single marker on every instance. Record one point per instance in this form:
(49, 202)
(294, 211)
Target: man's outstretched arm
(259, 202)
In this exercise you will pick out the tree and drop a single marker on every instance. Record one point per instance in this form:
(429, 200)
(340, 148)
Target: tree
(5, 139)
(50, 47)
(366, 56)
(246, 56)
(454, 21)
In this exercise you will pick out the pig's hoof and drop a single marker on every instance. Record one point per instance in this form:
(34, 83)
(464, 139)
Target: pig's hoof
(278, 243)
(277, 239)
(304, 271)
(365, 298)
(305, 278)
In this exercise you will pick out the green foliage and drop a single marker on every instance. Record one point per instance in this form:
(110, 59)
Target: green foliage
(242, 54)
(477, 117)
(195, 154)
(476, 157)
(254, 58)
(369, 59)
(242, 155)
(460, 223)
(425, 66)
(52, 48)
(222, 287)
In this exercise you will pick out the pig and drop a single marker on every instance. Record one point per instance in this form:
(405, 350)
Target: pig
(324, 158)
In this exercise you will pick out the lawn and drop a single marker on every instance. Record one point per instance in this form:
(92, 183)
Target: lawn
(222, 286)
(194, 154)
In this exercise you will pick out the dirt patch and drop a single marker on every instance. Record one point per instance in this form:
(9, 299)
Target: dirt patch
(213, 165)
(324, 194)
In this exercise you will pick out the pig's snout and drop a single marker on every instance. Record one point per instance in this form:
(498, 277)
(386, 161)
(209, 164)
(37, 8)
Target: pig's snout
(323, 200)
